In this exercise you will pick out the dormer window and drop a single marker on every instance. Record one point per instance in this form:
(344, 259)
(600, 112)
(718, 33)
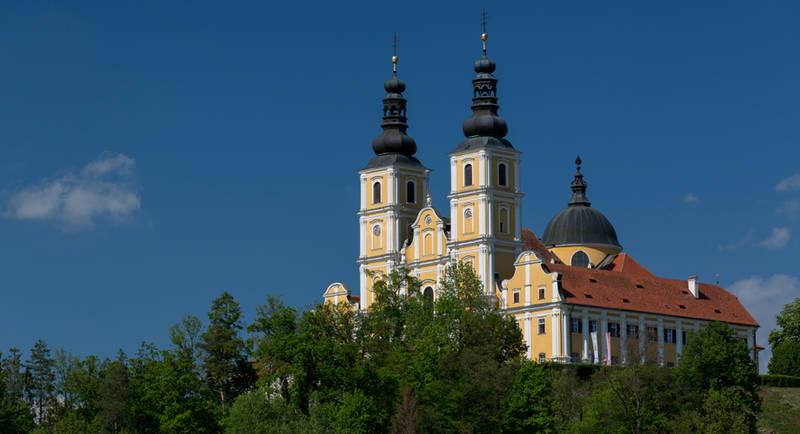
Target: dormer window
(501, 174)
(376, 192)
(467, 175)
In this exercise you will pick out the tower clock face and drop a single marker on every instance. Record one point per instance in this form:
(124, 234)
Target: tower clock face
(376, 230)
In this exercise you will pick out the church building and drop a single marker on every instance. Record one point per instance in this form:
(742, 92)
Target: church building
(575, 294)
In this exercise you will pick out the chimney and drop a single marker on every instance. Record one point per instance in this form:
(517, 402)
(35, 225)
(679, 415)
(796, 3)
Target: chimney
(693, 288)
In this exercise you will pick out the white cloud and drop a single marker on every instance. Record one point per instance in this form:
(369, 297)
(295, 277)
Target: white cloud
(789, 208)
(789, 183)
(738, 244)
(777, 239)
(104, 188)
(690, 197)
(764, 298)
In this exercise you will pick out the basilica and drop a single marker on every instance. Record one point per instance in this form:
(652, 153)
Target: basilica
(576, 295)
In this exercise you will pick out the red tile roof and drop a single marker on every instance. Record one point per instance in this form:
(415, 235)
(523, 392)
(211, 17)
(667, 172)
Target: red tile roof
(532, 242)
(627, 285)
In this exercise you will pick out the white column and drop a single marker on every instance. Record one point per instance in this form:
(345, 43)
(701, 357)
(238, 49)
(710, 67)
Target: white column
(528, 340)
(363, 191)
(642, 337)
(623, 335)
(482, 266)
(517, 219)
(566, 336)
(488, 164)
(362, 237)
(481, 164)
(556, 352)
(678, 340)
(417, 244)
(481, 214)
(490, 270)
(390, 187)
(585, 355)
(516, 175)
(390, 238)
(490, 217)
(454, 220)
(660, 342)
(453, 175)
(362, 274)
(601, 336)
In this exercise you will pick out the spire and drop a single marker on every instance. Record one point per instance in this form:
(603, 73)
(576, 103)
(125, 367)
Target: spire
(394, 139)
(578, 187)
(484, 120)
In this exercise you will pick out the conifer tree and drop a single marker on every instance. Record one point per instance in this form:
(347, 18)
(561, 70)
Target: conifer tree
(227, 369)
(40, 369)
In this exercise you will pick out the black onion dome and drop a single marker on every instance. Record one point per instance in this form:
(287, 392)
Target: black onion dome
(485, 127)
(394, 139)
(579, 224)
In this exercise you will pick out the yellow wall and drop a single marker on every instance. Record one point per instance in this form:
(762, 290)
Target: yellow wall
(596, 254)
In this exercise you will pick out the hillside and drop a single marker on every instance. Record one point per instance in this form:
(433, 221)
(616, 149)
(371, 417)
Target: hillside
(780, 411)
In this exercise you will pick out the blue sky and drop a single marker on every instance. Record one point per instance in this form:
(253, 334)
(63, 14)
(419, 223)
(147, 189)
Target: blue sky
(154, 154)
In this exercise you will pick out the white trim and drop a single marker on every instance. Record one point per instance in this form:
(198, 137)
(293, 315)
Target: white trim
(528, 337)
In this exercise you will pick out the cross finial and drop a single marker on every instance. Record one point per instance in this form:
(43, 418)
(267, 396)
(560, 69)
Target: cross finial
(484, 20)
(394, 55)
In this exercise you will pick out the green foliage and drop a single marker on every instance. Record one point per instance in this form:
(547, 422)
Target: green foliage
(788, 322)
(527, 408)
(776, 380)
(715, 360)
(114, 413)
(40, 368)
(254, 412)
(167, 394)
(225, 363)
(15, 416)
(785, 359)
(636, 399)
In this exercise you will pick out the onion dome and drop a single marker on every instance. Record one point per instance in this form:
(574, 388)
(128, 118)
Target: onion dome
(394, 138)
(485, 127)
(580, 224)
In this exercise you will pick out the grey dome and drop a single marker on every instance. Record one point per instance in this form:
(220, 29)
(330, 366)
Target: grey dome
(579, 223)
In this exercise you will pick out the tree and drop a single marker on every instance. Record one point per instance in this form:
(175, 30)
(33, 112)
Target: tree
(406, 418)
(715, 359)
(114, 397)
(12, 368)
(225, 363)
(40, 368)
(527, 407)
(785, 359)
(15, 416)
(185, 336)
(788, 322)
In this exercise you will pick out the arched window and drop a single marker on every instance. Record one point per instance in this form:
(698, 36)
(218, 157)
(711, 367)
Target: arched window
(580, 259)
(467, 175)
(428, 293)
(376, 192)
(411, 196)
(501, 174)
(503, 220)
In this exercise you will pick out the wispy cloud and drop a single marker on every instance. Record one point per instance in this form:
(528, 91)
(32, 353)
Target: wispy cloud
(737, 244)
(104, 188)
(777, 239)
(691, 197)
(789, 183)
(763, 298)
(789, 208)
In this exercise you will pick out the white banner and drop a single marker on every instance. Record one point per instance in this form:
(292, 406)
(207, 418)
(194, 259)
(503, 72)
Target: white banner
(594, 347)
(608, 348)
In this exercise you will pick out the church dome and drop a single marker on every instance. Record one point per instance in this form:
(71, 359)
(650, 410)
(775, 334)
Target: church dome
(580, 224)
